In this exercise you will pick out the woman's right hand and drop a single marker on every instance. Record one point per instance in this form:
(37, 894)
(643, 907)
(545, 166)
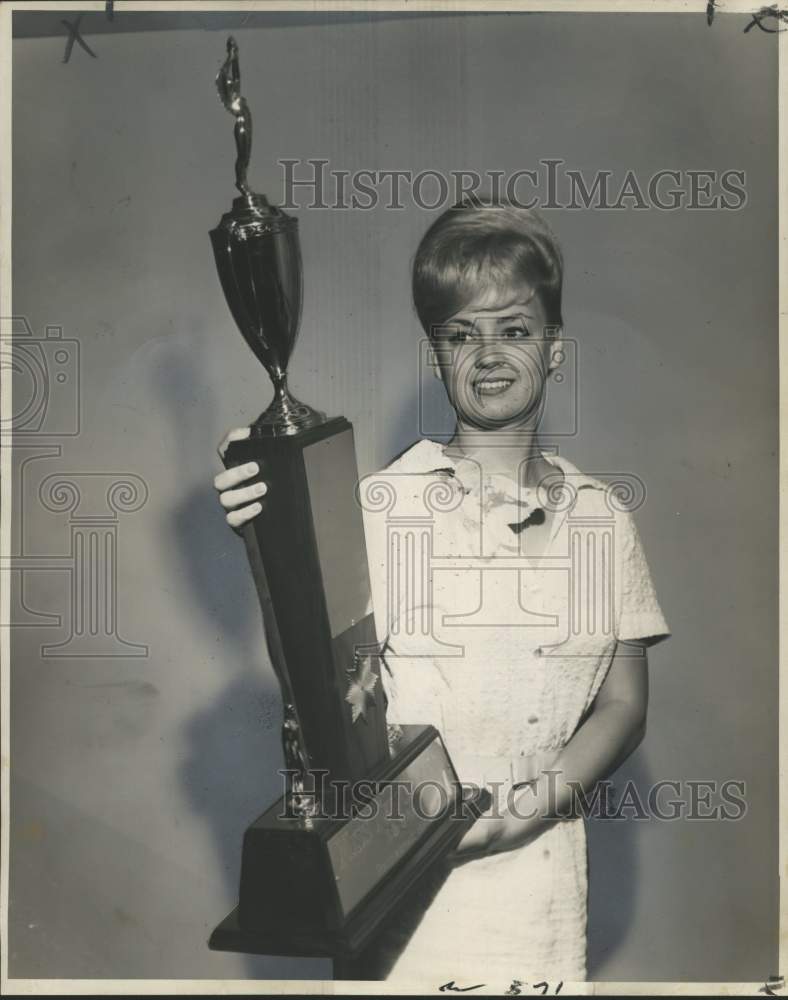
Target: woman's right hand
(242, 503)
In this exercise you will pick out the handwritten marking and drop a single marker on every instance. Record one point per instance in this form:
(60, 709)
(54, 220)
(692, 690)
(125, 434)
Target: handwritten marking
(765, 13)
(515, 990)
(459, 989)
(74, 36)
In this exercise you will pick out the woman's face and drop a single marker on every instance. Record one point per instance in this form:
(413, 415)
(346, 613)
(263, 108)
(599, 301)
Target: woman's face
(494, 358)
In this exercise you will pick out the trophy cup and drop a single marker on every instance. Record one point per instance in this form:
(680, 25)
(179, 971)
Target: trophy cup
(317, 876)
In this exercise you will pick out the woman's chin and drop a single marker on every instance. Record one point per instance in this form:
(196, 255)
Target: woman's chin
(490, 414)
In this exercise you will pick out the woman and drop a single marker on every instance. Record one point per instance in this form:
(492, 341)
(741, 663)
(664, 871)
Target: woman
(541, 607)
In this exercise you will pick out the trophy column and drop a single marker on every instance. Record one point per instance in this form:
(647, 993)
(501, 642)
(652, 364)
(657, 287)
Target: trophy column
(318, 878)
(309, 562)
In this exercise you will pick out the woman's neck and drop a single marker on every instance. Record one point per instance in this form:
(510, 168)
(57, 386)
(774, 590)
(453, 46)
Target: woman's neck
(513, 452)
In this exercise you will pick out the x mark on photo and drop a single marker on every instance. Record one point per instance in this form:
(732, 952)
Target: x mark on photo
(74, 36)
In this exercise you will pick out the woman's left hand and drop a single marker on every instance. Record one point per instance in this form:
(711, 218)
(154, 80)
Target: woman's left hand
(493, 834)
(486, 836)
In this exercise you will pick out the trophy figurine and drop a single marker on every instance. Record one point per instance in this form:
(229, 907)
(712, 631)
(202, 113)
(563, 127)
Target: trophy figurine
(318, 876)
(259, 263)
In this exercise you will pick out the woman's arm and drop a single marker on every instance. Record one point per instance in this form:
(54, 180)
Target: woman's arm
(614, 728)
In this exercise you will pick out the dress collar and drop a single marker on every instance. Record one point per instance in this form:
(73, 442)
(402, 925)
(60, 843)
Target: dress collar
(497, 497)
(427, 456)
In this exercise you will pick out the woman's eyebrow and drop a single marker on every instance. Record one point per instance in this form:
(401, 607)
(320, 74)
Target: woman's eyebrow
(461, 321)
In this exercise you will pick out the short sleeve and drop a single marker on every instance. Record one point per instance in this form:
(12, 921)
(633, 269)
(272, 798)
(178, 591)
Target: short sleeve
(638, 614)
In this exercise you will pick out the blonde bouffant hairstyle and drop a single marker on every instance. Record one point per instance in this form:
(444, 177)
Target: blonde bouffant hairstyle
(480, 242)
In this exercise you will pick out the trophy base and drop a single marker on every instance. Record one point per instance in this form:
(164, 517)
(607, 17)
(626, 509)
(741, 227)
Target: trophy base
(324, 887)
(285, 417)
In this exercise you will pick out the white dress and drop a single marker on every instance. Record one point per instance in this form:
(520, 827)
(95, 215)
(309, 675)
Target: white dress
(504, 656)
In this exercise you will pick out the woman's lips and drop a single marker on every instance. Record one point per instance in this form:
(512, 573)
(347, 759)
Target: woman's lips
(493, 383)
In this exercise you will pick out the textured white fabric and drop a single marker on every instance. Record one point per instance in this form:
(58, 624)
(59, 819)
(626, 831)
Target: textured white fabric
(504, 660)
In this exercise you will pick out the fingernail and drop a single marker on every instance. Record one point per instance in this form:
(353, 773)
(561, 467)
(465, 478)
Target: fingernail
(250, 468)
(260, 488)
(256, 508)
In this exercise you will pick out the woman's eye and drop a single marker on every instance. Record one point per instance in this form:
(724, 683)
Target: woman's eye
(515, 332)
(458, 334)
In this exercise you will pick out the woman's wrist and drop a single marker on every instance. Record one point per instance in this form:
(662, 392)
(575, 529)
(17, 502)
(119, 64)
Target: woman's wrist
(516, 830)
(530, 809)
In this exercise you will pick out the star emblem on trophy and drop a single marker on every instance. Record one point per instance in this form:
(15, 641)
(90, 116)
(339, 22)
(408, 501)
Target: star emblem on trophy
(360, 692)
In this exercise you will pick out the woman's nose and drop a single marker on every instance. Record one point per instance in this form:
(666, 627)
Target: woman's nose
(488, 332)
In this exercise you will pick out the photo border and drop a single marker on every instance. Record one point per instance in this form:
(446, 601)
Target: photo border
(241, 987)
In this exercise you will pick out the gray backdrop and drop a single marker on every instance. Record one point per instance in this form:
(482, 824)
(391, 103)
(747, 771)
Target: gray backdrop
(137, 768)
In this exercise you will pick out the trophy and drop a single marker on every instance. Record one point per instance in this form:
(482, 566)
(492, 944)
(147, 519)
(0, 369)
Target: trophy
(320, 869)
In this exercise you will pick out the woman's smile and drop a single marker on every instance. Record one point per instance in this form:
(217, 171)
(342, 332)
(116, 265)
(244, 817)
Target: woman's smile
(494, 376)
(492, 385)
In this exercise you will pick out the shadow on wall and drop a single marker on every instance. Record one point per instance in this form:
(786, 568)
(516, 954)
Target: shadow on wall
(613, 873)
(427, 414)
(234, 747)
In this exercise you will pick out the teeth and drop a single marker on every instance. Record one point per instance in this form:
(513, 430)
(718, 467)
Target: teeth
(500, 384)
